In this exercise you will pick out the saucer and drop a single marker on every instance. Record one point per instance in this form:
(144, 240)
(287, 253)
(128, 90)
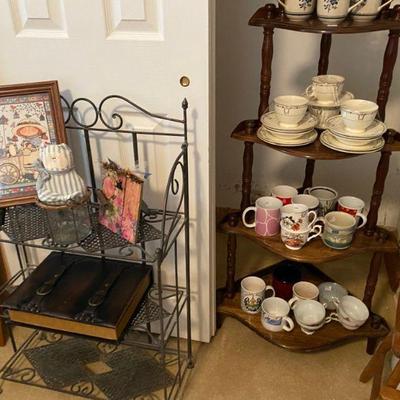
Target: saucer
(330, 104)
(270, 121)
(328, 140)
(265, 136)
(375, 130)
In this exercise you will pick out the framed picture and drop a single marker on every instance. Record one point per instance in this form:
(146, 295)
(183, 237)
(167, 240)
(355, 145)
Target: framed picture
(30, 116)
(122, 195)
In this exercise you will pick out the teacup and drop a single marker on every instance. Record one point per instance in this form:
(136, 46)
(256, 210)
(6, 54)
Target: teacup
(274, 315)
(351, 205)
(330, 293)
(303, 290)
(297, 10)
(295, 240)
(326, 88)
(368, 10)
(332, 12)
(326, 196)
(323, 114)
(296, 217)
(351, 312)
(308, 200)
(252, 294)
(267, 218)
(290, 110)
(284, 193)
(310, 315)
(358, 114)
(339, 228)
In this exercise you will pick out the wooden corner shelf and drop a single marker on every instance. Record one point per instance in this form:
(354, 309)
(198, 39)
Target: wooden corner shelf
(246, 131)
(329, 335)
(272, 17)
(315, 251)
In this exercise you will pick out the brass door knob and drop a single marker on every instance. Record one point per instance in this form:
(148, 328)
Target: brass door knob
(184, 81)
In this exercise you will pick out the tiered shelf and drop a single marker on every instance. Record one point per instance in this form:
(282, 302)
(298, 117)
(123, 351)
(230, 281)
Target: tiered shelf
(329, 335)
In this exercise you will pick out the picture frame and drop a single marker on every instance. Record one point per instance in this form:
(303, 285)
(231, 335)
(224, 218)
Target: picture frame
(121, 197)
(30, 116)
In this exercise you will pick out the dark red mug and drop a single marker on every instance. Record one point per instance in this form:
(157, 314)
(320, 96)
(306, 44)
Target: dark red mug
(283, 278)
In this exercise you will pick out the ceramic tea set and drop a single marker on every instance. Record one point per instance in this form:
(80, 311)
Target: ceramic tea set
(308, 302)
(332, 12)
(302, 217)
(350, 125)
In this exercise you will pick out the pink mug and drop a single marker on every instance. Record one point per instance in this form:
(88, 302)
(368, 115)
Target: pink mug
(268, 215)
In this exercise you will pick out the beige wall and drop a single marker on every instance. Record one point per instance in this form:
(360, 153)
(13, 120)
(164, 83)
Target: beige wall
(357, 57)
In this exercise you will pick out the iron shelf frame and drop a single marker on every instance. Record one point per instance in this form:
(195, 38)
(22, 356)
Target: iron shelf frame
(162, 226)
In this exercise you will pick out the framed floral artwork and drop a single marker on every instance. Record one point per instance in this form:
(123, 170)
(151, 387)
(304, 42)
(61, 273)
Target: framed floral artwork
(122, 196)
(30, 117)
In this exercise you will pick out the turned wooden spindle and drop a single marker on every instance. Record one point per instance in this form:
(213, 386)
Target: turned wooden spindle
(247, 174)
(230, 266)
(389, 62)
(325, 48)
(308, 177)
(266, 69)
(377, 192)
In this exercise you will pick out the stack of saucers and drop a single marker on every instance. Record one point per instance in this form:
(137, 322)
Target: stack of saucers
(289, 125)
(325, 96)
(355, 131)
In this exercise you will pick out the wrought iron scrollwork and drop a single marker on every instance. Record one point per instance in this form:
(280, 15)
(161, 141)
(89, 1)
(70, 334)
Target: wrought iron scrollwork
(24, 375)
(83, 388)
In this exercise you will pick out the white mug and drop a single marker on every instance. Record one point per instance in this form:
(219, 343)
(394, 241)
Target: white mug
(252, 294)
(326, 196)
(303, 291)
(368, 10)
(297, 217)
(298, 10)
(331, 12)
(308, 200)
(274, 315)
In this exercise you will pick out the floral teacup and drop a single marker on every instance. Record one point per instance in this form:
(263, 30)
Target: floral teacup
(298, 10)
(331, 12)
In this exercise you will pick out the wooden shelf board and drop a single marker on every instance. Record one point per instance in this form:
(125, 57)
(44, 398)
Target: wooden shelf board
(329, 335)
(386, 21)
(315, 251)
(246, 131)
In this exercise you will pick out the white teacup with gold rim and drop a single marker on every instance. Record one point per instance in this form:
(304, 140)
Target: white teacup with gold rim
(326, 88)
(358, 114)
(290, 110)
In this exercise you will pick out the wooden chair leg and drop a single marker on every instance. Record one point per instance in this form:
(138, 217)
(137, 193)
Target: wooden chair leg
(374, 368)
(392, 264)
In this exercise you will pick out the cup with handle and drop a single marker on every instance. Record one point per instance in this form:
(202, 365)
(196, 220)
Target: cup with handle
(368, 10)
(326, 196)
(339, 228)
(252, 294)
(332, 12)
(274, 315)
(298, 10)
(303, 290)
(310, 315)
(352, 313)
(267, 217)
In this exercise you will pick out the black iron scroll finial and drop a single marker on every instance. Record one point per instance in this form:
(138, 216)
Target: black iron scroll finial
(185, 104)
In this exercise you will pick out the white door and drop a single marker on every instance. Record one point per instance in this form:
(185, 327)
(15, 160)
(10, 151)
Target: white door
(138, 49)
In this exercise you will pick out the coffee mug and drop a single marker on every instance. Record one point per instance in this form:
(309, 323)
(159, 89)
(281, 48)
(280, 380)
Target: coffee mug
(252, 294)
(350, 205)
(368, 10)
(326, 88)
(308, 200)
(351, 312)
(332, 12)
(284, 193)
(339, 228)
(303, 290)
(296, 217)
(274, 315)
(284, 277)
(326, 196)
(310, 315)
(267, 218)
(295, 240)
(298, 10)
